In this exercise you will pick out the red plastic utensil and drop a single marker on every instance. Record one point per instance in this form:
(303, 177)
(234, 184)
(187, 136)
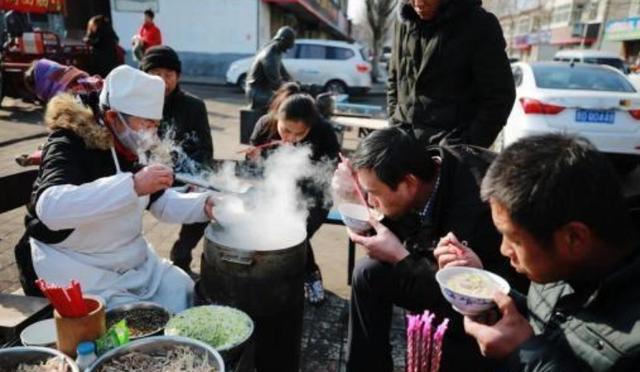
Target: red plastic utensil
(264, 145)
(363, 200)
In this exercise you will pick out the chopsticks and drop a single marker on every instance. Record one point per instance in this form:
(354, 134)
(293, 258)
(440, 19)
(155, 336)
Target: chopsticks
(363, 200)
(67, 301)
(263, 146)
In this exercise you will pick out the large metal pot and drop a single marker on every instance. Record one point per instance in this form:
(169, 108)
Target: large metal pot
(10, 358)
(266, 284)
(261, 283)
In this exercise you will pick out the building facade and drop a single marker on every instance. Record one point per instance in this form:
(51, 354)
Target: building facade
(210, 34)
(622, 29)
(536, 29)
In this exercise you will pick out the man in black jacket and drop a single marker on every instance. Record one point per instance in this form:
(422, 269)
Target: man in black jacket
(424, 195)
(559, 205)
(185, 121)
(449, 75)
(267, 72)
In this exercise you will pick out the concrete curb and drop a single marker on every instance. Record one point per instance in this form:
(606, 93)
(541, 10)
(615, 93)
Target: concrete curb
(26, 138)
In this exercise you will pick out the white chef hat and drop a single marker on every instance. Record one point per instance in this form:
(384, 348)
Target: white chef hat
(133, 92)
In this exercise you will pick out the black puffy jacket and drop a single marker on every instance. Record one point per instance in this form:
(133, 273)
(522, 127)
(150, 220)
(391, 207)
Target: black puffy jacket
(450, 77)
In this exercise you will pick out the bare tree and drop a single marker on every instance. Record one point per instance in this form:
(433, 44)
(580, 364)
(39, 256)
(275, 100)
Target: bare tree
(379, 19)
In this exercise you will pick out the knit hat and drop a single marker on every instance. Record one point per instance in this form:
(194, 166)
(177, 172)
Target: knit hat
(160, 56)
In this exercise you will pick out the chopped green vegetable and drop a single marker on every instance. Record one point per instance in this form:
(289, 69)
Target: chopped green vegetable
(219, 326)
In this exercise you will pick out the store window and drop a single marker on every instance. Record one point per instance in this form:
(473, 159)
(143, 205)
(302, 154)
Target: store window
(524, 26)
(634, 8)
(136, 5)
(561, 14)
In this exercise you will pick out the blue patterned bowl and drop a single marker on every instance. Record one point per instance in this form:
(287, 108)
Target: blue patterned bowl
(465, 302)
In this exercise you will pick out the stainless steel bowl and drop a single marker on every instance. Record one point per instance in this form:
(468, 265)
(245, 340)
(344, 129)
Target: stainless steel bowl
(159, 344)
(13, 356)
(120, 310)
(233, 352)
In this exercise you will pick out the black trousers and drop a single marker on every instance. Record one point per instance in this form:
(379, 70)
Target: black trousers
(375, 288)
(188, 239)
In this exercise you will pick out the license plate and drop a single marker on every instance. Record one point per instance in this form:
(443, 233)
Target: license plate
(596, 116)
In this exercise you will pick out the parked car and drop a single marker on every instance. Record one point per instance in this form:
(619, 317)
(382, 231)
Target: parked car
(599, 57)
(593, 101)
(338, 66)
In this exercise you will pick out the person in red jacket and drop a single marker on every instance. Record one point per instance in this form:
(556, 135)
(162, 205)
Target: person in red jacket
(149, 35)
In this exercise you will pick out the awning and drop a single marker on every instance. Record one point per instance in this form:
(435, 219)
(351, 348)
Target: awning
(33, 6)
(332, 19)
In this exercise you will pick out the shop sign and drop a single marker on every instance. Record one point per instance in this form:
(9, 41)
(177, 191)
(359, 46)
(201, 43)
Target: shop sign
(32, 6)
(626, 29)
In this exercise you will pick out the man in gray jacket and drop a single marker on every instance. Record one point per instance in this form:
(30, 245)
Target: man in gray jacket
(267, 72)
(558, 204)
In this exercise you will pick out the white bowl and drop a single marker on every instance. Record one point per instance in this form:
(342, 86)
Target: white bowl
(464, 302)
(355, 217)
(42, 333)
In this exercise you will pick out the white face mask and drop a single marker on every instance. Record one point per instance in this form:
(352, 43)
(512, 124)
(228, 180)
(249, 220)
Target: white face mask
(135, 141)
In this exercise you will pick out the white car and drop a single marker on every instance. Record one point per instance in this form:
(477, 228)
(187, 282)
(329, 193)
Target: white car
(599, 57)
(593, 101)
(337, 66)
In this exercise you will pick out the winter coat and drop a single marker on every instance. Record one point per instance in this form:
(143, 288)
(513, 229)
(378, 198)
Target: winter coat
(324, 147)
(450, 77)
(150, 35)
(104, 52)
(457, 208)
(85, 218)
(588, 328)
(185, 121)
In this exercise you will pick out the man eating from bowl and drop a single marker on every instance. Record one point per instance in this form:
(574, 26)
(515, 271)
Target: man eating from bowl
(85, 214)
(424, 195)
(558, 204)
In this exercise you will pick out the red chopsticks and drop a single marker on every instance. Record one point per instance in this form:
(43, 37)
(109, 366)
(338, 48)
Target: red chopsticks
(354, 178)
(67, 301)
(264, 145)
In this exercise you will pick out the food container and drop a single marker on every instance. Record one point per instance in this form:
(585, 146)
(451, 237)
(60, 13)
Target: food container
(72, 331)
(120, 312)
(208, 320)
(10, 358)
(42, 333)
(470, 301)
(159, 344)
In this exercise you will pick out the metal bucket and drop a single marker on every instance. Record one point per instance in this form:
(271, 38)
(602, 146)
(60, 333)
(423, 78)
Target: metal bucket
(268, 285)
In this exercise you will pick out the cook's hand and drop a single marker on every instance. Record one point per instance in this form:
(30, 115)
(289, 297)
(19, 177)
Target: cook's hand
(383, 246)
(504, 337)
(152, 178)
(451, 252)
(208, 207)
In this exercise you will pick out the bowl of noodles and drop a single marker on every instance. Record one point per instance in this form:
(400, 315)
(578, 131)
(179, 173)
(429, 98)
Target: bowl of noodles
(35, 359)
(160, 354)
(469, 290)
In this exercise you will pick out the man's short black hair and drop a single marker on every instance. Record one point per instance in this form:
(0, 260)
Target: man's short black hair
(392, 154)
(149, 13)
(547, 181)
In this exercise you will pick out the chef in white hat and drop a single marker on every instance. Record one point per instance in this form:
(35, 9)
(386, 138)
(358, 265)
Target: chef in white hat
(85, 216)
